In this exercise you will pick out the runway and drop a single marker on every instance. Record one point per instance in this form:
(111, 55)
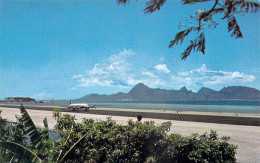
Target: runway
(158, 114)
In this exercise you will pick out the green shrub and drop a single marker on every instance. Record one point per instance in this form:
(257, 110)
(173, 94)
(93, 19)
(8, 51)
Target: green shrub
(106, 141)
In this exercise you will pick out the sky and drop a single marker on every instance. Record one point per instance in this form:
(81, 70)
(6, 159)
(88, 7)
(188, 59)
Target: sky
(68, 49)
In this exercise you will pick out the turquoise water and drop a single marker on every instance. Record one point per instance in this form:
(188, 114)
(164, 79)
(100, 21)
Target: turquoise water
(235, 107)
(184, 107)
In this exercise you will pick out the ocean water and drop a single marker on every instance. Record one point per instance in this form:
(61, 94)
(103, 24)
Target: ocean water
(185, 107)
(206, 106)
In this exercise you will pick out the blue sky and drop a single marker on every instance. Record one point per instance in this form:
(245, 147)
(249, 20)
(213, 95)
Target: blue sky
(68, 49)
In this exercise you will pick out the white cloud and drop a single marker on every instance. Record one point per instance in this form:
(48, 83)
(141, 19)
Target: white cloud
(149, 74)
(75, 77)
(92, 81)
(183, 73)
(111, 67)
(116, 71)
(179, 81)
(96, 70)
(206, 77)
(202, 69)
(43, 96)
(118, 57)
(119, 71)
(162, 67)
(229, 77)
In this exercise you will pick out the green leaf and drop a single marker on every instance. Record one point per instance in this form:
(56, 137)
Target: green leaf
(198, 44)
(194, 1)
(179, 37)
(72, 147)
(25, 153)
(122, 1)
(153, 5)
(234, 28)
(247, 5)
(30, 127)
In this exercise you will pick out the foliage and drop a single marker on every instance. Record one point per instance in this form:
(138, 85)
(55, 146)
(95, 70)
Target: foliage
(196, 148)
(107, 141)
(205, 20)
(23, 141)
(2, 126)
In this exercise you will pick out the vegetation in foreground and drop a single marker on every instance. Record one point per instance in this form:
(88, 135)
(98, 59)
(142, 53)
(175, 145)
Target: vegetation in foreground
(107, 141)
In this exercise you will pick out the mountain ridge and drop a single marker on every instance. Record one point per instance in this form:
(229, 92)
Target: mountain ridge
(142, 93)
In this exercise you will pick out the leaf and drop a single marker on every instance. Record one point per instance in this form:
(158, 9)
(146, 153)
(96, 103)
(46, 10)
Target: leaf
(179, 37)
(202, 43)
(122, 1)
(153, 5)
(198, 44)
(18, 149)
(72, 147)
(247, 5)
(65, 143)
(30, 127)
(234, 28)
(46, 133)
(194, 1)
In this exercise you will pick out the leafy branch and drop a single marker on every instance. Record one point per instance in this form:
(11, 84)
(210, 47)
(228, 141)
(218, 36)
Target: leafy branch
(179, 37)
(234, 27)
(153, 5)
(205, 20)
(196, 45)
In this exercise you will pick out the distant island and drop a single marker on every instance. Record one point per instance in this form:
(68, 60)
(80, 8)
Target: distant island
(18, 99)
(142, 93)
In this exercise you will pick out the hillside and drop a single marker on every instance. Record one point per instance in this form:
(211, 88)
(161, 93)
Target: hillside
(141, 92)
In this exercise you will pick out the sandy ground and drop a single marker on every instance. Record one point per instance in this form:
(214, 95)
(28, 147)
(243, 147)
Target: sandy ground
(246, 137)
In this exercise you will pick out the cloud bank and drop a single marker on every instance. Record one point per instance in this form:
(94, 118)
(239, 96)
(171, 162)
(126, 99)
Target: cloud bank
(118, 71)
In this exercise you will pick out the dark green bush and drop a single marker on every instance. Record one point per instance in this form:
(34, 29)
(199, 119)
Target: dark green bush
(106, 141)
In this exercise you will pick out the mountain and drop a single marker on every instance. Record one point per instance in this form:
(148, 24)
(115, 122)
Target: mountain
(141, 92)
(206, 93)
(237, 92)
